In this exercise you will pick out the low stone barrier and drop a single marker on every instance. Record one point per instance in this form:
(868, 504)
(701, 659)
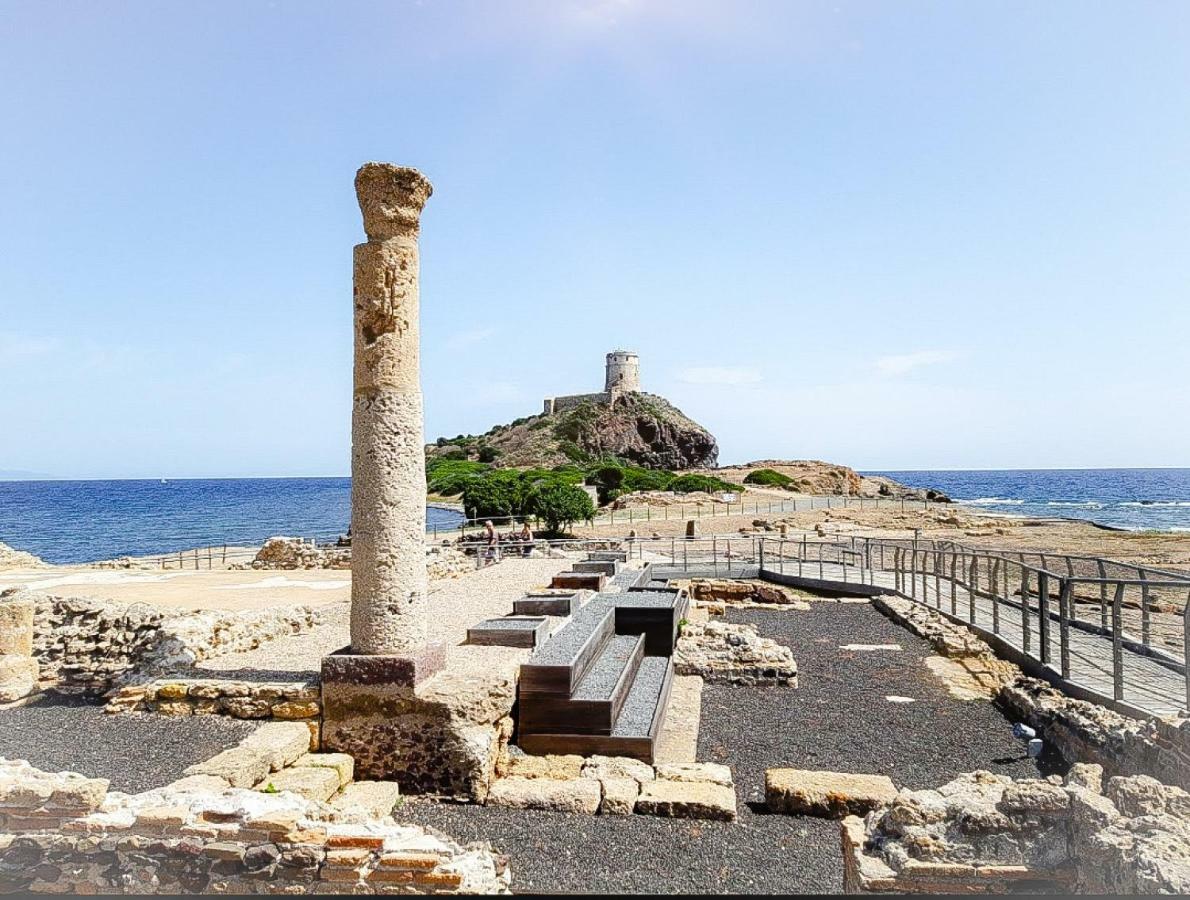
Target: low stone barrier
(89, 645)
(986, 833)
(284, 700)
(63, 833)
(615, 785)
(730, 653)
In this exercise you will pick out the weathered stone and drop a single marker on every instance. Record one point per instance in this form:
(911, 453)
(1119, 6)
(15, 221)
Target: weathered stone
(374, 799)
(687, 800)
(560, 768)
(831, 795)
(619, 796)
(710, 773)
(281, 743)
(240, 767)
(617, 767)
(579, 795)
(292, 709)
(171, 690)
(343, 764)
(310, 782)
(388, 461)
(16, 625)
(201, 783)
(1087, 775)
(18, 677)
(733, 654)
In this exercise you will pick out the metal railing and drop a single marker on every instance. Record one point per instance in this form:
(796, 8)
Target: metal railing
(1116, 631)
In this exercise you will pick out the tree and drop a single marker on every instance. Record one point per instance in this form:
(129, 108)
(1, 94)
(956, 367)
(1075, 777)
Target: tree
(561, 505)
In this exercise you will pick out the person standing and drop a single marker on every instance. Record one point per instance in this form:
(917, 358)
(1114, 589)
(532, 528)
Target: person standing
(492, 539)
(526, 539)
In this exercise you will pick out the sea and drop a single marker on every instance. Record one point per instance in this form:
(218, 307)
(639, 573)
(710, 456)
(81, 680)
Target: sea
(85, 521)
(1128, 499)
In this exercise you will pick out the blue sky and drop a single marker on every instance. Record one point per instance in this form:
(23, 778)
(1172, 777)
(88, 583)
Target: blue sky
(892, 235)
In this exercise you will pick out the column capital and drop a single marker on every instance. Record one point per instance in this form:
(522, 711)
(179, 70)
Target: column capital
(391, 199)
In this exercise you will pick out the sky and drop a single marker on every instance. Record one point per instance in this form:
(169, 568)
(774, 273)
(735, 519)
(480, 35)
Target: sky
(905, 235)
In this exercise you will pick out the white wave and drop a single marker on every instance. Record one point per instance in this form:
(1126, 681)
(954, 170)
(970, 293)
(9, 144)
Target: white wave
(1144, 503)
(1082, 504)
(988, 501)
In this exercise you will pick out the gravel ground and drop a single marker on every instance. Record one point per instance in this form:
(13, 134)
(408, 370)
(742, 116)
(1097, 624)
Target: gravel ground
(136, 753)
(838, 718)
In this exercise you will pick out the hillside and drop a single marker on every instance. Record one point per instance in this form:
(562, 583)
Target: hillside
(810, 476)
(643, 429)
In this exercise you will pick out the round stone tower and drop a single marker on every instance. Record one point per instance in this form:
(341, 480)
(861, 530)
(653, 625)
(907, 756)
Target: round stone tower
(623, 373)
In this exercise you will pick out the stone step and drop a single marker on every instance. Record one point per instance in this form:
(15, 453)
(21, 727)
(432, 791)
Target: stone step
(509, 631)
(562, 662)
(579, 581)
(602, 567)
(341, 763)
(655, 614)
(636, 728)
(310, 782)
(597, 700)
(630, 579)
(547, 605)
(371, 799)
(608, 555)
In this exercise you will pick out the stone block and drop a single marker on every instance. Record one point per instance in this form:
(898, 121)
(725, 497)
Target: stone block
(687, 800)
(282, 743)
(711, 773)
(199, 784)
(617, 767)
(240, 767)
(18, 677)
(16, 626)
(619, 796)
(580, 795)
(830, 795)
(370, 799)
(310, 782)
(171, 690)
(559, 768)
(296, 709)
(343, 764)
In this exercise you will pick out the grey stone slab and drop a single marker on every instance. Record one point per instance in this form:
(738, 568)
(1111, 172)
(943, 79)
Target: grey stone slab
(508, 632)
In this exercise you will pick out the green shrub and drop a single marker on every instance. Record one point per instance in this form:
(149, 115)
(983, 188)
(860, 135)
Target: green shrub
(561, 505)
(488, 454)
(768, 478)
(447, 476)
(686, 484)
(494, 494)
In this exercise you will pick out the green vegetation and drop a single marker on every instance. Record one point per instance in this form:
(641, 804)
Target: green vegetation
(769, 478)
(686, 484)
(448, 475)
(561, 505)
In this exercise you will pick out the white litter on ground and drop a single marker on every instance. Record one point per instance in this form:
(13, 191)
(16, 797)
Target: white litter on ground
(893, 698)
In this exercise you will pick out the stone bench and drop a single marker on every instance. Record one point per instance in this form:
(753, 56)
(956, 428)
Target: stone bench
(509, 631)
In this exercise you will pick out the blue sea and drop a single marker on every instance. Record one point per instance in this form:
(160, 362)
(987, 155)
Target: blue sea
(1131, 499)
(84, 521)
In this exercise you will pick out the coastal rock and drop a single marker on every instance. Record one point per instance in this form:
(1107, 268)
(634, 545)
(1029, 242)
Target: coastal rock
(11, 558)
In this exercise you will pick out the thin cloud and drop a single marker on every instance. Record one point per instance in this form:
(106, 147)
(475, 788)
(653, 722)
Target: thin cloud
(15, 347)
(720, 375)
(903, 363)
(463, 339)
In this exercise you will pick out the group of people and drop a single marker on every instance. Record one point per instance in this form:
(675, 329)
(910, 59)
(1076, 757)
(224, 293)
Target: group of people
(492, 540)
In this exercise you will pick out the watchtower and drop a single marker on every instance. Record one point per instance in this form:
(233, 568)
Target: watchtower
(623, 373)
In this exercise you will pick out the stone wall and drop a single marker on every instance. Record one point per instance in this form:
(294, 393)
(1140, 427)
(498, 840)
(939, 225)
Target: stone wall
(89, 645)
(988, 833)
(732, 654)
(442, 561)
(561, 404)
(63, 833)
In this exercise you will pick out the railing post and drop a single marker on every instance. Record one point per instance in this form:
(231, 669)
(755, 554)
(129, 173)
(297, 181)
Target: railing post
(993, 587)
(1102, 595)
(1117, 649)
(1065, 596)
(1043, 614)
(1144, 610)
(1025, 640)
(973, 587)
(1186, 649)
(761, 555)
(953, 582)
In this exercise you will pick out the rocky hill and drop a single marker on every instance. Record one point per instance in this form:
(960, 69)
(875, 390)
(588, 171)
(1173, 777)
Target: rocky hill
(642, 429)
(811, 476)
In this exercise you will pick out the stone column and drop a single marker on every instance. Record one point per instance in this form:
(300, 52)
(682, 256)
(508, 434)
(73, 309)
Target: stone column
(18, 668)
(388, 477)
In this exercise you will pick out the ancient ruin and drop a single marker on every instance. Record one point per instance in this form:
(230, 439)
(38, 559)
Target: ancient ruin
(621, 376)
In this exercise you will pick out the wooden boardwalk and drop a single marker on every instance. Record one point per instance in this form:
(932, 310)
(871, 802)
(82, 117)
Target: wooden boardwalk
(1149, 685)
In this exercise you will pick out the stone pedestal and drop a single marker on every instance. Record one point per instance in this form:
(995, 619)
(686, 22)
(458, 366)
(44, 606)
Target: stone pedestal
(18, 668)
